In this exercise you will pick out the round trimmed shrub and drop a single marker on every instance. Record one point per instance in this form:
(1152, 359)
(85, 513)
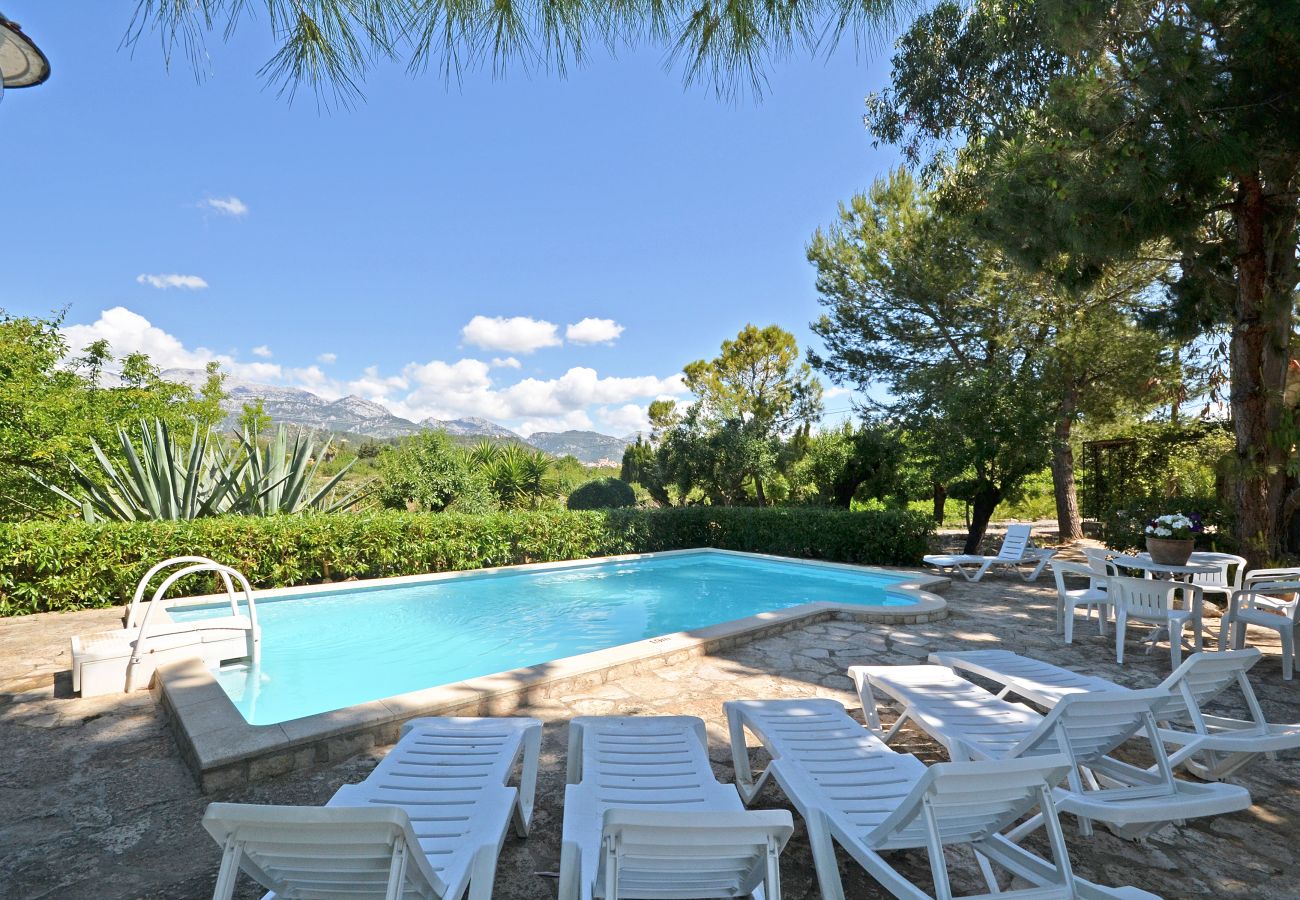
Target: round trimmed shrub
(602, 493)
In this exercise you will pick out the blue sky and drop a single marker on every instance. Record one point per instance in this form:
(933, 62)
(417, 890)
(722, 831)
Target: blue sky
(414, 249)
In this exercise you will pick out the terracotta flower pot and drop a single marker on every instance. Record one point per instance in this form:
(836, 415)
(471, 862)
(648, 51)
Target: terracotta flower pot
(1169, 552)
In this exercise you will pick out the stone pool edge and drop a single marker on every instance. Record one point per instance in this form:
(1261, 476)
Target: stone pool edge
(223, 751)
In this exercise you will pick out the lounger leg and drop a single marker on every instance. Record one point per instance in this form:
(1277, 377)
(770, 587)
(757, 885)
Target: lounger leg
(745, 785)
(483, 872)
(611, 868)
(570, 871)
(1121, 626)
(938, 865)
(1069, 624)
(772, 883)
(1288, 652)
(528, 781)
(229, 872)
(823, 851)
(396, 872)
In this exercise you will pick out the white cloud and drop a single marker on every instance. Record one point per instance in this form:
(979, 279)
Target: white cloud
(593, 331)
(508, 362)
(227, 206)
(129, 332)
(263, 351)
(163, 282)
(518, 334)
(328, 358)
(437, 388)
(621, 421)
(578, 420)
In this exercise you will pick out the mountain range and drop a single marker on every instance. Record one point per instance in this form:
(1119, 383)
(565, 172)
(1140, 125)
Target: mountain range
(352, 415)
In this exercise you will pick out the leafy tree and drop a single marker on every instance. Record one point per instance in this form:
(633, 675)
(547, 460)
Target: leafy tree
(426, 471)
(53, 407)
(253, 418)
(755, 391)
(846, 463)
(918, 302)
(1113, 125)
(641, 466)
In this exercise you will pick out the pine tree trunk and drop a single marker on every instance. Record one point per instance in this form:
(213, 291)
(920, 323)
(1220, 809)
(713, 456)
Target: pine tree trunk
(1260, 353)
(985, 502)
(940, 501)
(1068, 520)
(759, 496)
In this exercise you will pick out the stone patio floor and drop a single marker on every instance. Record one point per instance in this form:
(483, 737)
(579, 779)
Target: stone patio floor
(96, 803)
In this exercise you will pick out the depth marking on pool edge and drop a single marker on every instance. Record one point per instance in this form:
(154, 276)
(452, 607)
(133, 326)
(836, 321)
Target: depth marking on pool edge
(659, 640)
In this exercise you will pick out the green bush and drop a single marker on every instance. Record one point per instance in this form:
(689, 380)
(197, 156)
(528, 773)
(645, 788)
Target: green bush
(66, 565)
(602, 493)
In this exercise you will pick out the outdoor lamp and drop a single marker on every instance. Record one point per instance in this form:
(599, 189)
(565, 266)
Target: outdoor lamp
(22, 64)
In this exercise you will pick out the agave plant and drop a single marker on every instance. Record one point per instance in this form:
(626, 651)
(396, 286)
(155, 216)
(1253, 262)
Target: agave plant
(279, 477)
(160, 480)
(163, 480)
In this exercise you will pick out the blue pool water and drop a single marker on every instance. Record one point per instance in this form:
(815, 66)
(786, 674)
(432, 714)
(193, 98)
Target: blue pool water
(330, 650)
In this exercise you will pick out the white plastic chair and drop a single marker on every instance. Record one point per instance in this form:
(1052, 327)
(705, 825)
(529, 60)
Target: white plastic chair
(1068, 599)
(1226, 581)
(644, 817)
(429, 821)
(1151, 600)
(1210, 746)
(854, 791)
(975, 724)
(1271, 605)
(1017, 551)
(1261, 576)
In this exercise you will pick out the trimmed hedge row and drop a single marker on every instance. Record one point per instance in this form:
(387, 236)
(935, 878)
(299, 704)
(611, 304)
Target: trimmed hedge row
(66, 565)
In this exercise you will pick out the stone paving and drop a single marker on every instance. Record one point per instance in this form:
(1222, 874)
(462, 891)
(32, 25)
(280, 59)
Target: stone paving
(96, 803)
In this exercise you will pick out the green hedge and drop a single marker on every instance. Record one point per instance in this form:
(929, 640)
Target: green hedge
(46, 566)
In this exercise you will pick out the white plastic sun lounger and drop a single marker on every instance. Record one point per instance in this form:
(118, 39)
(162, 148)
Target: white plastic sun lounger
(1209, 746)
(975, 724)
(644, 817)
(428, 822)
(1015, 552)
(853, 790)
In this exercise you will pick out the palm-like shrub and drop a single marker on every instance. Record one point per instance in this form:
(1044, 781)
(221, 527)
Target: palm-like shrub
(163, 480)
(517, 477)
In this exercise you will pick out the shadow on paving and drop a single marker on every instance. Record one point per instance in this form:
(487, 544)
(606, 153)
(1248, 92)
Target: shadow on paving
(96, 802)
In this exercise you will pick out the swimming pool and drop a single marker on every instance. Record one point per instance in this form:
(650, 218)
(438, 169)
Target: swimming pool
(328, 649)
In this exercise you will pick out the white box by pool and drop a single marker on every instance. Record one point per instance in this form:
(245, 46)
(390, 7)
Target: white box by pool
(343, 664)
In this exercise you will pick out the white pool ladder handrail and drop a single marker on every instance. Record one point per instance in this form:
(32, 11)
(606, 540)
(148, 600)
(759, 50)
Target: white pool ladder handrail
(226, 572)
(133, 609)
